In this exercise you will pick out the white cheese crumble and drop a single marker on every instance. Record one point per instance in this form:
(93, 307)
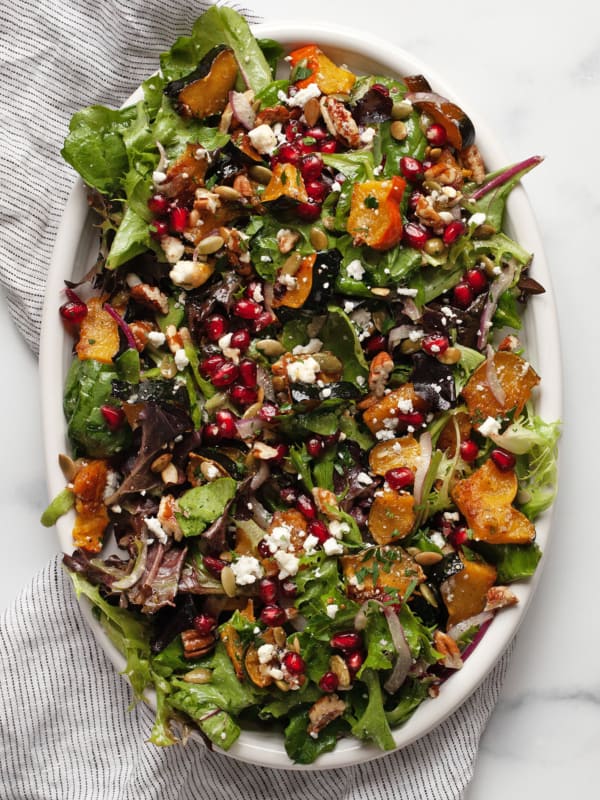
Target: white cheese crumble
(310, 544)
(211, 472)
(246, 570)
(303, 371)
(156, 529)
(288, 564)
(173, 249)
(437, 539)
(406, 292)
(477, 219)
(159, 177)
(263, 139)
(225, 341)
(332, 547)
(331, 610)
(364, 479)
(181, 360)
(266, 653)
(301, 98)
(131, 279)
(289, 281)
(336, 186)
(337, 529)
(489, 427)
(314, 346)
(355, 270)
(279, 538)
(367, 135)
(157, 338)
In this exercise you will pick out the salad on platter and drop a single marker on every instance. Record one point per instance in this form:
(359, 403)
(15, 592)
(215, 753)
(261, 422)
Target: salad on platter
(305, 461)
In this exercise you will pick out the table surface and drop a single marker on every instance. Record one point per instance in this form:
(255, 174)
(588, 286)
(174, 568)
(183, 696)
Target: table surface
(534, 75)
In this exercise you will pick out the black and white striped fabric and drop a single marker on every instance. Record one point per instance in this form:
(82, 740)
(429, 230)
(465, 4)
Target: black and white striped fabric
(65, 731)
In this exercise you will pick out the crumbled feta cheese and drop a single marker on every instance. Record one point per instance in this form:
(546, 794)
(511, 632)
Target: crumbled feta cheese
(360, 380)
(158, 176)
(266, 653)
(173, 249)
(331, 610)
(477, 219)
(211, 473)
(364, 479)
(405, 405)
(263, 139)
(355, 270)
(414, 336)
(303, 371)
(131, 279)
(337, 529)
(378, 170)
(156, 338)
(349, 306)
(288, 564)
(406, 292)
(301, 98)
(246, 570)
(314, 346)
(225, 341)
(489, 427)
(279, 538)
(310, 544)
(266, 259)
(181, 360)
(367, 135)
(275, 673)
(257, 292)
(437, 539)
(383, 435)
(289, 281)
(336, 186)
(112, 483)
(332, 547)
(326, 393)
(282, 96)
(156, 529)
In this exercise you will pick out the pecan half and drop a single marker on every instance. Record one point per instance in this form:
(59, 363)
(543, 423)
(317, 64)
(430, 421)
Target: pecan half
(196, 645)
(324, 711)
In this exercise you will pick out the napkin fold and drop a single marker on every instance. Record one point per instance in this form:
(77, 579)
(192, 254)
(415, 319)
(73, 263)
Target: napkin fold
(65, 728)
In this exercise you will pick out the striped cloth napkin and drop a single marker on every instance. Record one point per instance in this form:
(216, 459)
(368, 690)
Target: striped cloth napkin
(65, 728)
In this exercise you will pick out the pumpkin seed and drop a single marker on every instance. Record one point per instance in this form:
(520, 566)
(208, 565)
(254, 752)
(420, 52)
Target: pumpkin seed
(292, 264)
(328, 363)
(160, 463)
(380, 291)
(260, 174)
(270, 347)
(198, 675)
(434, 246)
(398, 130)
(280, 636)
(210, 245)
(227, 192)
(340, 669)
(489, 266)
(402, 109)
(318, 239)
(228, 581)
(428, 595)
(68, 466)
(432, 186)
(169, 474)
(428, 557)
(408, 347)
(168, 368)
(484, 231)
(282, 685)
(450, 356)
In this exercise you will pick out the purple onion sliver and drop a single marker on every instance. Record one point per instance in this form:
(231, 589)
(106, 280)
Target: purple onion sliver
(505, 176)
(122, 324)
(447, 673)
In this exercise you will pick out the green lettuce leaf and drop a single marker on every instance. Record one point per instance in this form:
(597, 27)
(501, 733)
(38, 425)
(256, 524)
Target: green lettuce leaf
(373, 724)
(304, 749)
(202, 505)
(514, 562)
(338, 335)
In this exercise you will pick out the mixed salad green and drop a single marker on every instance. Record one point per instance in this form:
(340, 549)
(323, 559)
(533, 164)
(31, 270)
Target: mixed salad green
(305, 461)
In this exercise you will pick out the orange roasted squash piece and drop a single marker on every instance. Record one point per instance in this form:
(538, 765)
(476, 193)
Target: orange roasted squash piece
(91, 517)
(375, 218)
(393, 453)
(286, 181)
(98, 334)
(234, 645)
(465, 593)
(296, 295)
(330, 78)
(485, 499)
(391, 516)
(381, 414)
(389, 568)
(516, 377)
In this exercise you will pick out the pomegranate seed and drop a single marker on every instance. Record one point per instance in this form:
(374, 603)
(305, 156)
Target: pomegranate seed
(329, 441)
(282, 451)
(273, 616)
(214, 565)
(248, 373)
(435, 345)
(317, 190)
(311, 167)
(225, 375)
(453, 231)
(240, 339)
(468, 450)
(399, 478)
(73, 313)
(294, 129)
(316, 133)
(476, 280)
(288, 495)
(247, 309)
(381, 89)
(216, 326)
(414, 418)
(114, 417)
(329, 682)
(289, 154)
(314, 447)
(318, 528)
(178, 219)
(415, 236)
(309, 212)
(411, 168)
(267, 590)
(329, 146)
(305, 506)
(264, 551)
(375, 344)
(211, 433)
(462, 295)
(307, 147)
(458, 537)
(347, 642)
(204, 624)
(503, 460)
(355, 661)
(436, 135)
(288, 588)
(226, 424)
(243, 395)
(263, 321)
(268, 412)
(294, 663)
(211, 364)
(161, 228)
(158, 204)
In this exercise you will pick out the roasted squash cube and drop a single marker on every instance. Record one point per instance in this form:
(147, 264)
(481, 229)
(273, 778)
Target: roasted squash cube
(91, 517)
(392, 516)
(375, 218)
(465, 593)
(205, 91)
(98, 334)
(330, 78)
(393, 453)
(286, 181)
(296, 295)
(376, 572)
(516, 377)
(381, 414)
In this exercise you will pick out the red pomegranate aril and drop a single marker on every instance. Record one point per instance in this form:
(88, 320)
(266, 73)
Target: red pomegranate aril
(240, 340)
(399, 478)
(114, 417)
(476, 280)
(247, 309)
(346, 642)
(320, 134)
(267, 590)
(268, 412)
(412, 418)
(225, 375)
(294, 129)
(329, 146)
(294, 663)
(375, 344)
(263, 321)
(458, 537)
(214, 565)
(211, 364)
(289, 154)
(288, 495)
(380, 89)
(309, 212)
(503, 460)
(453, 231)
(468, 450)
(273, 615)
(329, 441)
(248, 373)
(413, 200)
(158, 204)
(435, 345)
(305, 506)
(318, 528)
(462, 295)
(311, 167)
(211, 433)
(314, 447)
(282, 451)
(73, 312)
(243, 395)
(436, 135)
(308, 146)
(288, 588)
(355, 661)
(216, 326)
(204, 624)
(317, 190)
(226, 423)
(264, 551)
(411, 168)
(161, 228)
(178, 219)
(329, 682)
(415, 236)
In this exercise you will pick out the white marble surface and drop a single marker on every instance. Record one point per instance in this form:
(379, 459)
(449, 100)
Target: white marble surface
(533, 72)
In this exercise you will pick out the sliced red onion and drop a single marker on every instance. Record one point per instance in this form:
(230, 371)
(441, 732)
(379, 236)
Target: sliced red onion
(248, 428)
(396, 335)
(456, 631)
(122, 324)
(164, 161)
(242, 109)
(260, 476)
(404, 657)
(411, 309)
(423, 466)
(491, 377)
(499, 285)
(268, 296)
(260, 515)
(138, 569)
(505, 176)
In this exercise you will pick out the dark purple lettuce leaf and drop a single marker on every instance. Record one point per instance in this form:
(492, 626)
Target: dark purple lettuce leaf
(433, 381)
(171, 620)
(374, 106)
(164, 585)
